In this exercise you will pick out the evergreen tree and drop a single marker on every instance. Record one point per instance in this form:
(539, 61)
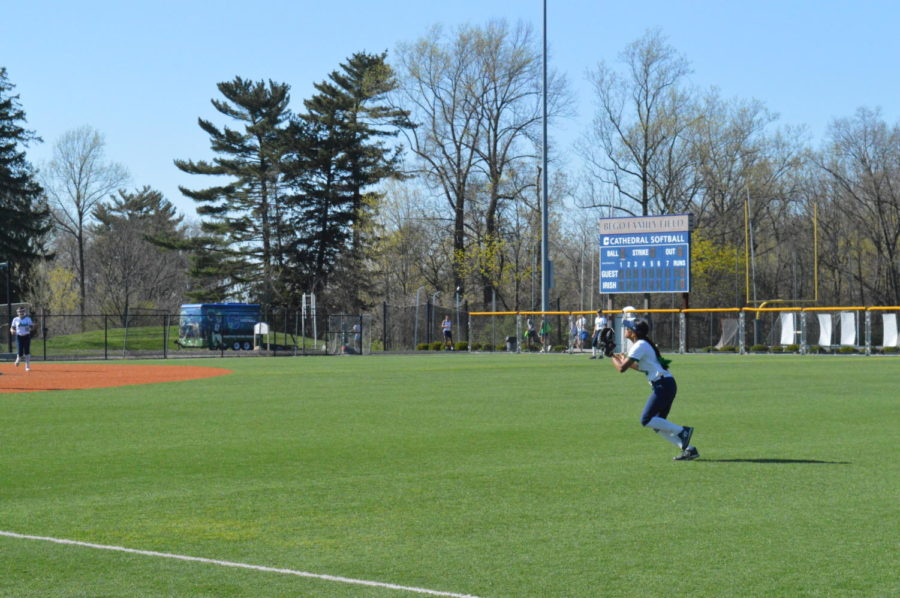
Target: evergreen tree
(340, 155)
(24, 216)
(243, 220)
(132, 271)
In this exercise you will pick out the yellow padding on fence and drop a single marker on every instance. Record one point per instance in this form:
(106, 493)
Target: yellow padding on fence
(685, 311)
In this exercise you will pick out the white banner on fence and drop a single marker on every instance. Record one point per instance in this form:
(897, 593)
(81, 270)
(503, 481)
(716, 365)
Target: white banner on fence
(890, 331)
(848, 328)
(824, 330)
(788, 330)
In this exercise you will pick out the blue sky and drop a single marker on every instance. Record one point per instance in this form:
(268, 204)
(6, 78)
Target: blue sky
(141, 72)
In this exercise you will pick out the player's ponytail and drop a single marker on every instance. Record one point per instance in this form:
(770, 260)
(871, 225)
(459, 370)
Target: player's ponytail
(641, 331)
(662, 360)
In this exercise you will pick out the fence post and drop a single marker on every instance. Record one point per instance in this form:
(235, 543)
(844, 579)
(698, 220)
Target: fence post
(270, 318)
(518, 333)
(468, 326)
(165, 336)
(105, 337)
(682, 332)
(742, 332)
(558, 321)
(284, 331)
(44, 330)
(803, 348)
(428, 308)
(868, 332)
(296, 316)
(384, 326)
(493, 308)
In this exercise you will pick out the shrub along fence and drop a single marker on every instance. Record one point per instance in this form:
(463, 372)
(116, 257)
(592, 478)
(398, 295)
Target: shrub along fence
(844, 330)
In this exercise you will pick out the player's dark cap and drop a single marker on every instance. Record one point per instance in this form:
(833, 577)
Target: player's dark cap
(639, 327)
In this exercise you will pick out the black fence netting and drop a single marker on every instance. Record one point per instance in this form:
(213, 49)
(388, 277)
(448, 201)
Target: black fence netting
(102, 336)
(406, 328)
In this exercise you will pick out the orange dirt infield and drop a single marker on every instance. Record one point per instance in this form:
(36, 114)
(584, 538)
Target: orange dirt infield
(72, 376)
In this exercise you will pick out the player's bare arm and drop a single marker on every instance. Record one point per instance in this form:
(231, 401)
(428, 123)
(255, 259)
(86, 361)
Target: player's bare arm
(622, 363)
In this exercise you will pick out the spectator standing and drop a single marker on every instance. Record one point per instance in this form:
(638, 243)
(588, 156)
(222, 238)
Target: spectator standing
(545, 336)
(573, 333)
(447, 330)
(599, 324)
(582, 332)
(530, 333)
(22, 326)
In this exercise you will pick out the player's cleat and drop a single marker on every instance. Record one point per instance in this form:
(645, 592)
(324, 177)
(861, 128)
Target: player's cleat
(685, 437)
(688, 454)
(17, 362)
(27, 368)
(592, 357)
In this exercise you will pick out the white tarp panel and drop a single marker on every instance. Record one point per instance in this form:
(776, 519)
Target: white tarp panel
(729, 333)
(788, 330)
(824, 330)
(890, 331)
(848, 328)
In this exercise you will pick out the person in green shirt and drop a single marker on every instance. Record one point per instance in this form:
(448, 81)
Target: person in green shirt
(545, 336)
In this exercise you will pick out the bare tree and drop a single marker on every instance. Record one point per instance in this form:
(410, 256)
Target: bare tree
(437, 76)
(509, 95)
(729, 143)
(476, 97)
(862, 167)
(410, 258)
(638, 143)
(77, 180)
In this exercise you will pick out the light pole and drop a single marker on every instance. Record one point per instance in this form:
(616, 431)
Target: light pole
(545, 246)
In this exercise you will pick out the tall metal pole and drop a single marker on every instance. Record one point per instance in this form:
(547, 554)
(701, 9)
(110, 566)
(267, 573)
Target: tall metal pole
(545, 251)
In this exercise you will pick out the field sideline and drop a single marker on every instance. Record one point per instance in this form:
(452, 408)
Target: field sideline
(488, 475)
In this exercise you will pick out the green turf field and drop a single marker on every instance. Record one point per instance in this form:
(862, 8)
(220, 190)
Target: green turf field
(486, 475)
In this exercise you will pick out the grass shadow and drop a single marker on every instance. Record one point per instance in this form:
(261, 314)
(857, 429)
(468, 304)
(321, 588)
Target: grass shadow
(777, 461)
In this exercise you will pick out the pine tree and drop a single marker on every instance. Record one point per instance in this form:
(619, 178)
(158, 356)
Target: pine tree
(131, 270)
(24, 216)
(341, 154)
(243, 220)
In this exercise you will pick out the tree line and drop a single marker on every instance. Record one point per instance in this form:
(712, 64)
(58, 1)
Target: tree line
(421, 171)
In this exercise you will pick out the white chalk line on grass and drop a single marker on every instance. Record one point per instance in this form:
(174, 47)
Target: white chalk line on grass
(197, 559)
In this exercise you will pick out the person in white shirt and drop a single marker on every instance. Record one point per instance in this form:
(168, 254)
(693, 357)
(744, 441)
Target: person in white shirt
(573, 333)
(599, 325)
(531, 335)
(22, 326)
(447, 329)
(581, 322)
(644, 356)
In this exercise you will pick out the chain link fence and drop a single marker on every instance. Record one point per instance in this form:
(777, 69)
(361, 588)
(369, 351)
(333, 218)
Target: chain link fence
(161, 336)
(419, 327)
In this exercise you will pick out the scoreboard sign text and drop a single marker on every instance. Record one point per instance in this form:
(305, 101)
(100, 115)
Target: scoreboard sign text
(649, 254)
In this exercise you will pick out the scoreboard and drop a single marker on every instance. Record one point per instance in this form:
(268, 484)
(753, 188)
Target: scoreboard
(650, 254)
